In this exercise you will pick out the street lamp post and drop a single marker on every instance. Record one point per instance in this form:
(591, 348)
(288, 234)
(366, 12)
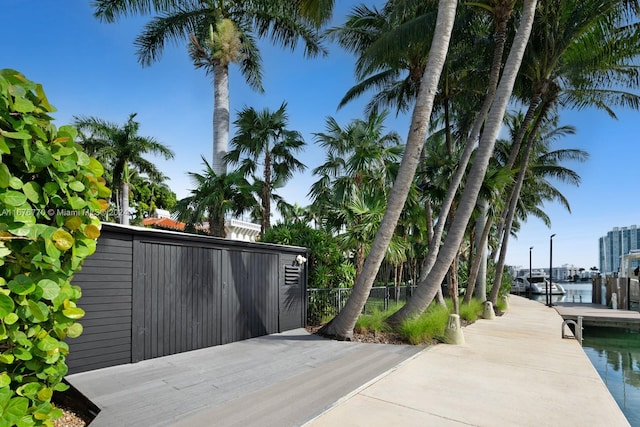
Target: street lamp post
(548, 293)
(530, 249)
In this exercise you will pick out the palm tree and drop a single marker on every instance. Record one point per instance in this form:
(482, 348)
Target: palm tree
(581, 54)
(149, 195)
(263, 145)
(214, 196)
(361, 158)
(121, 148)
(428, 287)
(342, 325)
(221, 33)
(396, 40)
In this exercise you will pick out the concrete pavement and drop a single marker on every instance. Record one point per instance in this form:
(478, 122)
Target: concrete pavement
(515, 370)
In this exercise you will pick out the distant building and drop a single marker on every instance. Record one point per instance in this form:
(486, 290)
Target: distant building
(236, 229)
(617, 243)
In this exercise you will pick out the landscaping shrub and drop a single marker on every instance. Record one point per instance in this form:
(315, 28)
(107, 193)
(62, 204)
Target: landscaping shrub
(426, 327)
(327, 265)
(50, 193)
(471, 311)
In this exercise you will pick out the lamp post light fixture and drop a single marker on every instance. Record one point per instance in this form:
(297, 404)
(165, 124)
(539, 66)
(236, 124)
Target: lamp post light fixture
(548, 293)
(529, 290)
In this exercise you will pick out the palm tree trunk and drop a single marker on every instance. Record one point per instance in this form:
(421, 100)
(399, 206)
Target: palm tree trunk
(479, 263)
(494, 77)
(513, 202)
(342, 325)
(266, 193)
(220, 117)
(479, 279)
(427, 288)
(453, 284)
(513, 155)
(124, 208)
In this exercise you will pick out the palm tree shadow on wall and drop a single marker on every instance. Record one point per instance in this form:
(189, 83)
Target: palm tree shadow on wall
(256, 288)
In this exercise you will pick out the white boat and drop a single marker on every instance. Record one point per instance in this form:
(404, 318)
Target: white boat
(537, 283)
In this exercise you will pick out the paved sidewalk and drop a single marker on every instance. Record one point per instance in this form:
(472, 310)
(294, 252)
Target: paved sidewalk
(277, 380)
(515, 370)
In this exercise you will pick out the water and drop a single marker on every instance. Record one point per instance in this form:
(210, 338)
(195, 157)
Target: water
(615, 353)
(575, 291)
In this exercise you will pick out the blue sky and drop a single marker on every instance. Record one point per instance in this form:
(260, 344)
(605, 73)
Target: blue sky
(89, 68)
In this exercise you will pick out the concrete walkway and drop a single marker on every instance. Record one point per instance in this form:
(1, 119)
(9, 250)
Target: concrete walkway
(515, 370)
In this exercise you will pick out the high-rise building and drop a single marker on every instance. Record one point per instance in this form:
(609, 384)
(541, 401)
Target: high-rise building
(618, 242)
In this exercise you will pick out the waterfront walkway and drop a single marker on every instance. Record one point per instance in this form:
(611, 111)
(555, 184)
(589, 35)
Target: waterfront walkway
(515, 370)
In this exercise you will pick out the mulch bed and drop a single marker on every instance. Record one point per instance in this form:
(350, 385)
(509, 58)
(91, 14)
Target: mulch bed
(374, 337)
(70, 418)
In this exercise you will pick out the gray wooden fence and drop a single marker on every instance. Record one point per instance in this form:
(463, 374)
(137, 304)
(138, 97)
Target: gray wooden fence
(150, 293)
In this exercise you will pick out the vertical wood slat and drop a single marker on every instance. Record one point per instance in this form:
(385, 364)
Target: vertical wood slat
(106, 340)
(138, 300)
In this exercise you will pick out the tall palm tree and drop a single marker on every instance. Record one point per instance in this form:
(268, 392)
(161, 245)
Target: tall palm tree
(120, 147)
(582, 53)
(361, 164)
(361, 157)
(428, 287)
(342, 325)
(394, 41)
(212, 199)
(221, 33)
(265, 150)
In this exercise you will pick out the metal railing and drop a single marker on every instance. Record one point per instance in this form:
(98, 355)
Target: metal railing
(323, 304)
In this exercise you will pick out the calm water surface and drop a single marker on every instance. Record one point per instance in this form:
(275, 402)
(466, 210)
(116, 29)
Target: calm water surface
(615, 353)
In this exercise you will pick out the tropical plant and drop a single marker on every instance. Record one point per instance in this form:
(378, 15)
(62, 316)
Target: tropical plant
(581, 54)
(355, 179)
(342, 325)
(214, 197)
(50, 193)
(120, 149)
(397, 39)
(149, 195)
(428, 287)
(326, 264)
(265, 150)
(221, 33)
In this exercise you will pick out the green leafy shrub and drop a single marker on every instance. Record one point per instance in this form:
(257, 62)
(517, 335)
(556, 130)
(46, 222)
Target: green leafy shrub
(50, 191)
(327, 265)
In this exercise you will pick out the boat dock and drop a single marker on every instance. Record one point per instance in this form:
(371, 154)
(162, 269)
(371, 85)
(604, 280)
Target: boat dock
(598, 315)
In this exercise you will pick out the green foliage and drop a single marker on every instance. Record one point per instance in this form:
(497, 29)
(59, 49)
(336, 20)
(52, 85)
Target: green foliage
(148, 195)
(422, 329)
(50, 191)
(327, 266)
(471, 311)
(506, 280)
(430, 325)
(374, 321)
